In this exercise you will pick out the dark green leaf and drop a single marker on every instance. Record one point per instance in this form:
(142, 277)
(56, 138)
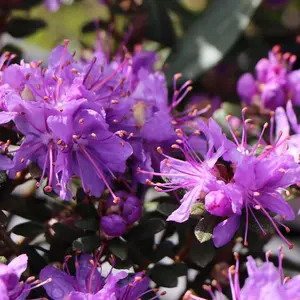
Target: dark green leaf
(20, 27)
(91, 26)
(166, 208)
(209, 38)
(164, 249)
(86, 210)
(147, 229)
(159, 24)
(86, 243)
(3, 178)
(118, 248)
(35, 261)
(65, 232)
(167, 275)
(88, 224)
(29, 4)
(204, 228)
(202, 254)
(3, 219)
(29, 229)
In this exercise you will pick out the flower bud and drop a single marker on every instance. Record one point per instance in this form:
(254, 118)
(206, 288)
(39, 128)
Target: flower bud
(217, 203)
(113, 225)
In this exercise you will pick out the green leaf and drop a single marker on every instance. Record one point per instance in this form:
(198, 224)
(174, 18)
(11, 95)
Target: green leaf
(204, 228)
(3, 219)
(202, 254)
(118, 248)
(164, 249)
(210, 37)
(147, 229)
(88, 224)
(166, 208)
(167, 275)
(65, 232)
(86, 243)
(20, 27)
(159, 26)
(29, 229)
(3, 260)
(197, 209)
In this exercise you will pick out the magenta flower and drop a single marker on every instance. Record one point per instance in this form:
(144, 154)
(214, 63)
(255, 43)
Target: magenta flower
(89, 283)
(274, 84)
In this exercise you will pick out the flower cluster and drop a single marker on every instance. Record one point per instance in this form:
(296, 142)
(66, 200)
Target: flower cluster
(88, 282)
(264, 282)
(231, 178)
(274, 84)
(86, 118)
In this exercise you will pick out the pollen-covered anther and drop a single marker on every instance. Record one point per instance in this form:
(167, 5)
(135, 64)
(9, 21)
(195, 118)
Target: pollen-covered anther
(138, 170)
(166, 161)
(257, 207)
(48, 189)
(58, 185)
(59, 142)
(37, 185)
(197, 132)
(266, 125)
(116, 200)
(179, 141)
(81, 121)
(121, 133)
(175, 146)
(114, 102)
(244, 109)
(177, 76)
(22, 160)
(75, 71)
(282, 170)
(75, 137)
(93, 135)
(46, 98)
(148, 182)
(159, 150)
(115, 121)
(228, 117)
(179, 132)
(256, 194)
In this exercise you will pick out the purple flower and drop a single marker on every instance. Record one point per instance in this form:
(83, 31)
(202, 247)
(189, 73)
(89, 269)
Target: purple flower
(283, 120)
(275, 82)
(65, 131)
(89, 283)
(10, 287)
(128, 206)
(264, 281)
(257, 182)
(113, 225)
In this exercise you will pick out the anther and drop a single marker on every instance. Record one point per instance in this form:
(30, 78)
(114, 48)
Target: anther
(48, 189)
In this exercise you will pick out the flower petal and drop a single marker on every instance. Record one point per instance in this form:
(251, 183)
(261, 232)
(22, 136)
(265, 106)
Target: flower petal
(61, 285)
(19, 264)
(225, 230)
(182, 213)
